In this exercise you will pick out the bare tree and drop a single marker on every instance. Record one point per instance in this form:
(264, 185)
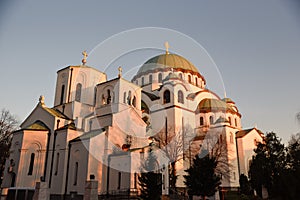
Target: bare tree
(8, 124)
(212, 143)
(174, 142)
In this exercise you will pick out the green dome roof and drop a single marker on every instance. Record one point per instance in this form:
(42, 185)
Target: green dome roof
(168, 61)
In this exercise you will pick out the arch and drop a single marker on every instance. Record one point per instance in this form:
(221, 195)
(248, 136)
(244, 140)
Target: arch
(124, 97)
(31, 164)
(229, 120)
(134, 101)
(211, 119)
(160, 78)
(180, 76)
(189, 79)
(78, 92)
(129, 98)
(180, 97)
(108, 100)
(150, 78)
(143, 81)
(201, 121)
(62, 94)
(167, 96)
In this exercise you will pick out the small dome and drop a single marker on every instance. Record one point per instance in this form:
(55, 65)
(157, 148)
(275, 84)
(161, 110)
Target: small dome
(168, 61)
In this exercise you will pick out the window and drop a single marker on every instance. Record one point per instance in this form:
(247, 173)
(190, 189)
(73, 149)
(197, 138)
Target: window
(201, 121)
(167, 96)
(221, 138)
(108, 101)
(75, 173)
(78, 92)
(180, 76)
(62, 94)
(229, 120)
(231, 138)
(211, 119)
(159, 77)
(134, 101)
(124, 97)
(30, 170)
(189, 78)
(235, 122)
(119, 180)
(150, 78)
(234, 177)
(196, 81)
(56, 164)
(135, 180)
(103, 100)
(143, 81)
(129, 98)
(95, 95)
(180, 97)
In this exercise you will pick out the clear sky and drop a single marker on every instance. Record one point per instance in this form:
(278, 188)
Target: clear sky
(255, 44)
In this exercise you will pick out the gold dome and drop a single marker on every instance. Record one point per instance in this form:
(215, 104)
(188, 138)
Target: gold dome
(168, 62)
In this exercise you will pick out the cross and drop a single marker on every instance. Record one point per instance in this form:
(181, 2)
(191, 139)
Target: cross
(120, 72)
(85, 55)
(167, 47)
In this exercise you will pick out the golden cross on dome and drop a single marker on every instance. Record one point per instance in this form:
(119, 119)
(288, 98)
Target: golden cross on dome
(167, 47)
(85, 55)
(120, 72)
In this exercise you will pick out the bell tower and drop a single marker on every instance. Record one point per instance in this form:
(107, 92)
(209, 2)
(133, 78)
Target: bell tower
(76, 85)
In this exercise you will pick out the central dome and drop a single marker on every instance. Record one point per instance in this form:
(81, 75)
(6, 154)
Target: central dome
(168, 62)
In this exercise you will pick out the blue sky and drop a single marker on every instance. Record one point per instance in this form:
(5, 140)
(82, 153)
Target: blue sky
(255, 44)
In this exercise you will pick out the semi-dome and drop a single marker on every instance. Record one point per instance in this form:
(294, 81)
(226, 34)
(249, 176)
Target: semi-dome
(168, 61)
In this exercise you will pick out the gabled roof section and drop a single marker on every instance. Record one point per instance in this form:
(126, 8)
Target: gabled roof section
(151, 96)
(68, 126)
(89, 135)
(242, 133)
(37, 126)
(56, 113)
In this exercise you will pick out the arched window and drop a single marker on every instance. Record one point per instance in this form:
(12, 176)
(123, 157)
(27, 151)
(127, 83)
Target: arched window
(211, 119)
(196, 81)
(78, 92)
(159, 77)
(143, 81)
(180, 97)
(56, 164)
(129, 98)
(189, 78)
(167, 96)
(134, 101)
(221, 138)
(180, 76)
(103, 100)
(31, 164)
(124, 97)
(231, 138)
(119, 180)
(108, 101)
(62, 94)
(229, 120)
(201, 121)
(95, 95)
(150, 78)
(235, 122)
(75, 173)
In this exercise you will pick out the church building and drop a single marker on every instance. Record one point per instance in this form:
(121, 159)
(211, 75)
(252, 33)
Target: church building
(102, 130)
